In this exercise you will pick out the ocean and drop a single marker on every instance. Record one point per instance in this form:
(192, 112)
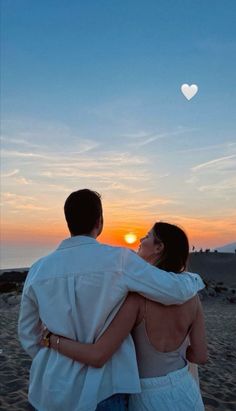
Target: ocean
(22, 256)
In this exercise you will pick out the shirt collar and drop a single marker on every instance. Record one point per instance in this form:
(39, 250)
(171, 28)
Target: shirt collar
(76, 241)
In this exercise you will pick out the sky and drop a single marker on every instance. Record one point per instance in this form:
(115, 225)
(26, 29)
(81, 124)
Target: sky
(91, 99)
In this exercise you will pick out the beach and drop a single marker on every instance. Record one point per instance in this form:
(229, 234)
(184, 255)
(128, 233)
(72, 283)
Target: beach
(217, 377)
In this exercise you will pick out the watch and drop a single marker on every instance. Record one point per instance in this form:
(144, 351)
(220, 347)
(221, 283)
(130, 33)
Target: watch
(46, 339)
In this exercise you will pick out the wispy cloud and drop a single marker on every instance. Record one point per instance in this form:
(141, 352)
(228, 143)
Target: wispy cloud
(21, 154)
(22, 202)
(8, 141)
(31, 207)
(228, 145)
(10, 173)
(216, 163)
(147, 203)
(142, 139)
(31, 136)
(14, 198)
(221, 186)
(23, 181)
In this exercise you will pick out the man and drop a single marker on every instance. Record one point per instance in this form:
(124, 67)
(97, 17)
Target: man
(76, 292)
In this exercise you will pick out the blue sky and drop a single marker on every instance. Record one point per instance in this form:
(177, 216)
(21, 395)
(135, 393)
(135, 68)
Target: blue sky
(91, 97)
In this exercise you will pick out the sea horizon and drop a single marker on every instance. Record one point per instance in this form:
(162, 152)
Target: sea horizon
(21, 256)
(14, 257)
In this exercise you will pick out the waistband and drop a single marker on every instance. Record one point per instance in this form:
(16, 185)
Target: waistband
(172, 378)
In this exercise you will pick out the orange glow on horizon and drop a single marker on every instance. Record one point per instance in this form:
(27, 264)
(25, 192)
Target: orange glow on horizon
(201, 233)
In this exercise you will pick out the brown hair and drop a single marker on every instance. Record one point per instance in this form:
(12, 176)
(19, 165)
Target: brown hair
(176, 247)
(82, 210)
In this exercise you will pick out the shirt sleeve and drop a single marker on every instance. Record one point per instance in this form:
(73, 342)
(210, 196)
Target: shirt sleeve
(29, 324)
(158, 285)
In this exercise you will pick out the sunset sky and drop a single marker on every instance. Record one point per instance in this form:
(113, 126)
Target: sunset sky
(91, 99)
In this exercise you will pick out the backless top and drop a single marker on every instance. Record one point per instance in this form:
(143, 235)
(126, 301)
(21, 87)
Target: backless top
(153, 363)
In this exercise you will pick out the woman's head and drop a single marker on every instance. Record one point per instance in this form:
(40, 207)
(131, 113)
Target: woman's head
(165, 246)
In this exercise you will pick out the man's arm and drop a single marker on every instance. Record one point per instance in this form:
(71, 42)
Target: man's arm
(158, 285)
(29, 324)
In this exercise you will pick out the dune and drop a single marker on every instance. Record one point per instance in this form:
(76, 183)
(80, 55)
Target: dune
(217, 267)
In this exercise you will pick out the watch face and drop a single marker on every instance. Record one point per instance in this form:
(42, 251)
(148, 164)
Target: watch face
(46, 342)
(46, 339)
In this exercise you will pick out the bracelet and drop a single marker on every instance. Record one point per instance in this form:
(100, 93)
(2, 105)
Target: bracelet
(58, 342)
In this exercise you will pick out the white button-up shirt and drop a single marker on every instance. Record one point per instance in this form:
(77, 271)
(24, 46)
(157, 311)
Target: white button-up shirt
(76, 292)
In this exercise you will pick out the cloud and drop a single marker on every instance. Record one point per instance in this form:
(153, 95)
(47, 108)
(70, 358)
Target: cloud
(31, 207)
(22, 202)
(218, 187)
(142, 204)
(118, 186)
(11, 173)
(142, 139)
(192, 180)
(105, 166)
(216, 163)
(23, 181)
(26, 136)
(19, 141)
(20, 154)
(7, 196)
(228, 145)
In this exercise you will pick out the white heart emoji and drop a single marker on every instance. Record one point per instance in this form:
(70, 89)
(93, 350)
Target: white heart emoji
(189, 91)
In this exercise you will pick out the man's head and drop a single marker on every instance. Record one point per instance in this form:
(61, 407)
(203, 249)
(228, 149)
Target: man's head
(83, 212)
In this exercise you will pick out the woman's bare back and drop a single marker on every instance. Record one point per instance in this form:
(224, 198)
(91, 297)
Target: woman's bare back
(167, 326)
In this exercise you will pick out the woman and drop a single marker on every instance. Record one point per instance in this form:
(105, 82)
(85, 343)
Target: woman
(161, 334)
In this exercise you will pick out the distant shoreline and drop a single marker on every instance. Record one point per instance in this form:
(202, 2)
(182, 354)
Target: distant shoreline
(211, 252)
(7, 270)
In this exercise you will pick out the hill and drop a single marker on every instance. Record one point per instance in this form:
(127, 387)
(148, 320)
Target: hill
(218, 267)
(227, 248)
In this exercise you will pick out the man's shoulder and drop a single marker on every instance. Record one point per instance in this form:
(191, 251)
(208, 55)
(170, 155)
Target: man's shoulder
(42, 260)
(38, 265)
(117, 249)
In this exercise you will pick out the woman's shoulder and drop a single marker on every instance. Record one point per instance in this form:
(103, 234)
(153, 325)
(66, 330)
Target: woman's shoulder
(136, 298)
(139, 301)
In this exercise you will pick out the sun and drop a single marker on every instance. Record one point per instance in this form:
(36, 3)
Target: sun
(130, 238)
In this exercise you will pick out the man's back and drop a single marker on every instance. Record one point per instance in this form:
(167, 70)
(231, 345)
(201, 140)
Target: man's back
(76, 288)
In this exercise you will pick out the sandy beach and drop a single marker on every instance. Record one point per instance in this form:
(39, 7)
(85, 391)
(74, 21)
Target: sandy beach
(217, 377)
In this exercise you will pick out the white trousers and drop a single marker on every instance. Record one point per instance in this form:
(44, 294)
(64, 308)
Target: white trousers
(176, 391)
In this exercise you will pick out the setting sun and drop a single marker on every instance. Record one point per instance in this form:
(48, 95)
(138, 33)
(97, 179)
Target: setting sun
(130, 238)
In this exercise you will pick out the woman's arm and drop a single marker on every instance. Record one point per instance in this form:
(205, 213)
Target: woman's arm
(97, 354)
(197, 351)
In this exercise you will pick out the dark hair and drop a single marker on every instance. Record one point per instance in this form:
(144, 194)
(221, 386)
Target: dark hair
(82, 210)
(176, 247)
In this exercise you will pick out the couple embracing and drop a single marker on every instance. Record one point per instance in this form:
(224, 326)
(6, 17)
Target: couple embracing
(119, 328)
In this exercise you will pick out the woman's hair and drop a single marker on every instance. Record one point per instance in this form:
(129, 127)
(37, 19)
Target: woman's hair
(176, 247)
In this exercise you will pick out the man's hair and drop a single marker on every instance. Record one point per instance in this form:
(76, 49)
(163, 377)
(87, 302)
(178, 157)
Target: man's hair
(82, 210)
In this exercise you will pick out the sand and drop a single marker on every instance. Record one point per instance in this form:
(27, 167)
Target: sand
(218, 376)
